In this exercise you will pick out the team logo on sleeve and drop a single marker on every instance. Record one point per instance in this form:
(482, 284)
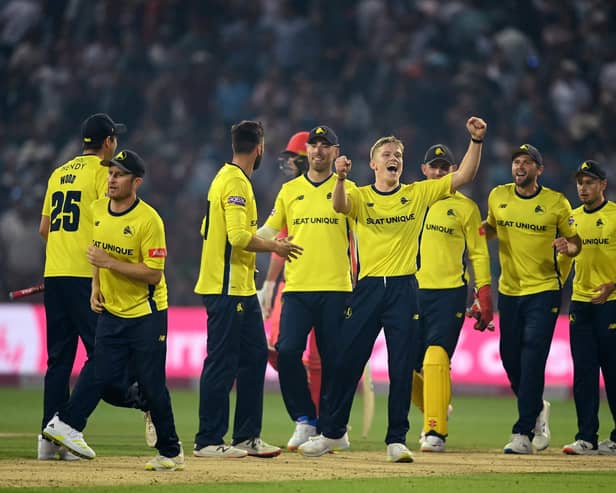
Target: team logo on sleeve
(128, 231)
(157, 252)
(236, 200)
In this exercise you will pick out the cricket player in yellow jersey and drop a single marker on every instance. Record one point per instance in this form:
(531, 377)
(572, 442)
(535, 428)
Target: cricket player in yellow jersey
(389, 218)
(592, 315)
(66, 226)
(451, 236)
(317, 285)
(127, 252)
(533, 224)
(236, 345)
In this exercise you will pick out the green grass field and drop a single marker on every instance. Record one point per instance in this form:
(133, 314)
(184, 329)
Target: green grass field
(477, 424)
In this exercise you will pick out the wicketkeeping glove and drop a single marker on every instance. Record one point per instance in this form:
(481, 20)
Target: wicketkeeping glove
(481, 309)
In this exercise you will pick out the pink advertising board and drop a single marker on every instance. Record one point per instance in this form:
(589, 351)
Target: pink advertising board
(476, 361)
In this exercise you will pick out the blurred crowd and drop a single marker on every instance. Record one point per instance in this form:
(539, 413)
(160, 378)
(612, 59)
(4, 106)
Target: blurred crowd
(180, 72)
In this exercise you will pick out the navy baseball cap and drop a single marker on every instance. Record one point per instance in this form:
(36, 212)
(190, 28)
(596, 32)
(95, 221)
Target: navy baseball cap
(129, 161)
(324, 133)
(529, 150)
(98, 127)
(591, 168)
(439, 152)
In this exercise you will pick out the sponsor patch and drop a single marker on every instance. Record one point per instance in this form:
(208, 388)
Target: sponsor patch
(157, 252)
(236, 200)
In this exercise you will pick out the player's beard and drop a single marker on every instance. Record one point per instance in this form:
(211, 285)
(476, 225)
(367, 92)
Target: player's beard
(257, 162)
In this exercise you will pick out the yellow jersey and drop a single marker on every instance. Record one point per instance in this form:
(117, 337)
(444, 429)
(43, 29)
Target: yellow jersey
(306, 209)
(453, 233)
(388, 225)
(71, 189)
(136, 235)
(526, 228)
(229, 224)
(596, 263)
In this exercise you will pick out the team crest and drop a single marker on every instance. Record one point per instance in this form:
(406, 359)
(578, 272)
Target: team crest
(348, 312)
(599, 223)
(120, 156)
(320, 131)
(502, 206)
(300, 197)
(96, 223)
(572, 318)
(585, 165)
(128, 231)
(539, 210)
(329, 196)
(404, 200)
(239, 308)
(370, 204)
(451, 212)
(439, 151)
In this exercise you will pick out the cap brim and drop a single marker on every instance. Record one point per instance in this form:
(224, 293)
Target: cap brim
(113, 162)
(120, 128)
(446, 161)
(592, 175)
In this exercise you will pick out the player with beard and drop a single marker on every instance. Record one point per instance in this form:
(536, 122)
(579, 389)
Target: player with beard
(236, 345)
(317, 284)
(532, 223)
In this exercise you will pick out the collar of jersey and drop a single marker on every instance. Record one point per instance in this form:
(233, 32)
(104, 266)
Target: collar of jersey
(592, 211)
(111, 213)
(391, 192)
(317, 183)
(523, 197)
(238, 167)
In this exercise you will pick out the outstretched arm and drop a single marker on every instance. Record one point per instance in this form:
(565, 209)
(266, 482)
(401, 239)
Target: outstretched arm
(470, 163)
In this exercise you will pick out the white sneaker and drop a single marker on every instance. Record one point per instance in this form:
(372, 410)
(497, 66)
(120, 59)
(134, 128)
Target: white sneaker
(321, 445)
(398, 452)
(519, 444)
(580, 447)
(150, 430)
(607, 447)
(162, 463)
(422, 435)
(67, 436)
(541, 441)
(50, 451)
(303, 431)
(432, 443)
(221, 451)
(255, 447)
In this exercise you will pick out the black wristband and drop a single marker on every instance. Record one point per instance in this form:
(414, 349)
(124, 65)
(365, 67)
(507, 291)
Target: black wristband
(477, 141)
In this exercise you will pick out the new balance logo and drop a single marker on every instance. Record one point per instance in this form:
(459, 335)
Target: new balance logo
(300, 197)
(502, 206)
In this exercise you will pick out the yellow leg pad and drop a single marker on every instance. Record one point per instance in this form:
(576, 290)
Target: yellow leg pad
(417, 395)
(436, 389)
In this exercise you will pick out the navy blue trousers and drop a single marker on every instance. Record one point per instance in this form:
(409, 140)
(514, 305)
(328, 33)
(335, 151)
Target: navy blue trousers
(69, 318)
(527, 326)
(236, 352)
(142, 343)
(592, 334)
(441, 316)
(377, 302)
(300, 312)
